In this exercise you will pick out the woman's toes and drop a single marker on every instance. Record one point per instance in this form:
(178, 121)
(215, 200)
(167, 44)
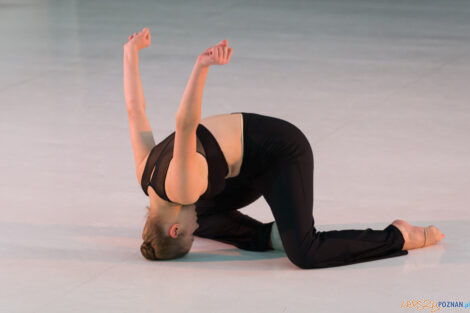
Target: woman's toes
(433, 235)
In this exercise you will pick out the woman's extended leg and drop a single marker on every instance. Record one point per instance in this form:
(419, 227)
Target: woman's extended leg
(289, 192)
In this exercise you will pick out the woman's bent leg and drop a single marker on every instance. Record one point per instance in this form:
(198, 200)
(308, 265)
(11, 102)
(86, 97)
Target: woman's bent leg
(219, 218)
(288, 189)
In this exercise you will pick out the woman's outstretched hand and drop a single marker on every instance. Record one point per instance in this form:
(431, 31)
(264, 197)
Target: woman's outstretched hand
(216, 55)
(139, 40)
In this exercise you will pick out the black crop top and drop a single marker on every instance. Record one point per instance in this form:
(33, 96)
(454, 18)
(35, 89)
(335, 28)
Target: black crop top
(161, 155)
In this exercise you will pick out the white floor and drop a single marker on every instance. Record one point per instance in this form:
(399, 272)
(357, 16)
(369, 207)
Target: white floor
(380, 88)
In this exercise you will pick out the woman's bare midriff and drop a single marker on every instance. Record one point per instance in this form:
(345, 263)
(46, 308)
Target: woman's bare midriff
(227, 129)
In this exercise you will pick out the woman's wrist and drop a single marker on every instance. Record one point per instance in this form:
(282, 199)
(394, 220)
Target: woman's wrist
(200, 64)
(130, 50)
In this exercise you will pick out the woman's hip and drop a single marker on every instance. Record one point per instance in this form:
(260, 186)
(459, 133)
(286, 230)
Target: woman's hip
(268, 142)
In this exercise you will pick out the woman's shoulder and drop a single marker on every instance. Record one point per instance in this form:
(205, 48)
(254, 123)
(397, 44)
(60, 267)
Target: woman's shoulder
(156, 200)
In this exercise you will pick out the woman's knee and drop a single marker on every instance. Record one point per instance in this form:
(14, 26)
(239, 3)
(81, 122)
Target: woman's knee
(300, 260)
(304, 256)
(305, 261)
(296, 254)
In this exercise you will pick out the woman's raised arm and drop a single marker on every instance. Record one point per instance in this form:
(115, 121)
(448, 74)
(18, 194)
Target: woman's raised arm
(139, 126)
(133, 91)
(186, 180)
(189, 112)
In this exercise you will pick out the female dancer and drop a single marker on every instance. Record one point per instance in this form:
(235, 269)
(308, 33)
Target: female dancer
(208, 169)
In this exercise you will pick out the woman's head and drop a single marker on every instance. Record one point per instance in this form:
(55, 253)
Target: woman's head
(168, 232)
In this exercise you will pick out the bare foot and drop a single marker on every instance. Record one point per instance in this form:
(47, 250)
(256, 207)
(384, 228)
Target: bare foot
(418, 237)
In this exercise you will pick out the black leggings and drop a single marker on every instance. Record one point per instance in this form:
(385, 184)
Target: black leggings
(278, 165)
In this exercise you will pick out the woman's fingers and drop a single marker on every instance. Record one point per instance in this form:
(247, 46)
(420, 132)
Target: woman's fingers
(222, 54)
(147, 35)
(146, 32)
(218, 54)
(141, 39)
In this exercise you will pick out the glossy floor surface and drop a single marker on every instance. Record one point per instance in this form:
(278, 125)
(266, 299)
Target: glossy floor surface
(380, 88)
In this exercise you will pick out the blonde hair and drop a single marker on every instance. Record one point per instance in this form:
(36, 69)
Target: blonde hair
(158, 244)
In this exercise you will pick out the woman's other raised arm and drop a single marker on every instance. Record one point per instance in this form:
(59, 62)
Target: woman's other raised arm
(139, 126)
(189, 111)
(186, 180)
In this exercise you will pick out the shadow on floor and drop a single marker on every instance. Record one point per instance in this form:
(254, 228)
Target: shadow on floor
(118, 244)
